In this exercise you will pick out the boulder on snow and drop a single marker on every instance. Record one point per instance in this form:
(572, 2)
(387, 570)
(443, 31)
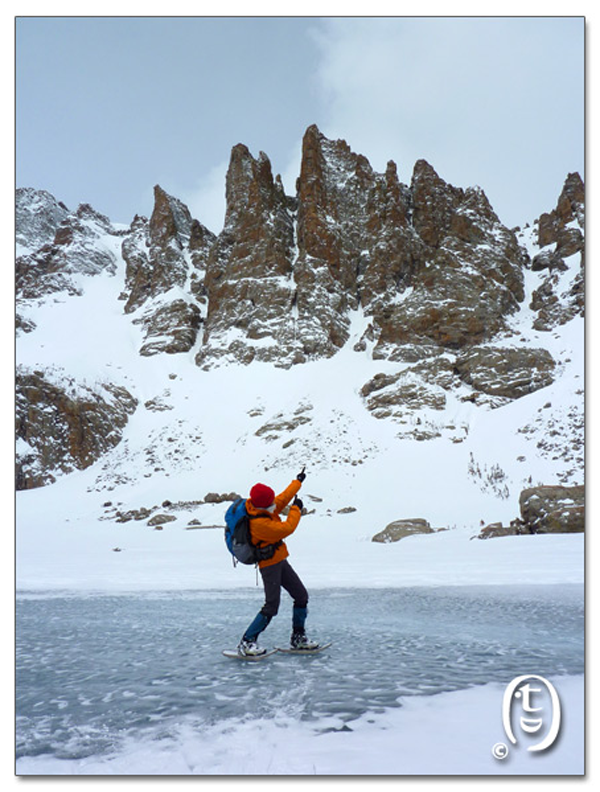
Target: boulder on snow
(516, 528)
(215, 497)
(399, 529)
(160, 519)
(506, 372)
(132, 514)
(553, 509)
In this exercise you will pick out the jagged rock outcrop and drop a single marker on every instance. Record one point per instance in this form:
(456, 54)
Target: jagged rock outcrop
(164, 279)
(564, 225)
(37, 216)
(248, 280)
(431, 264)
(82, 245)
(333, 190)
(62, 425)
(493, 376)
(154, 252)
(561, 296)
(467, 277)
(426, 270)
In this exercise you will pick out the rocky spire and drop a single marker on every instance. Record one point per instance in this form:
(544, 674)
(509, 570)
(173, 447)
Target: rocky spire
(561, 236)
(159, 261)
(248, 276)
(154, 251)
(564, 224)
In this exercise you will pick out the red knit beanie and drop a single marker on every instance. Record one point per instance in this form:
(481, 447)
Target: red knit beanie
(261, 496)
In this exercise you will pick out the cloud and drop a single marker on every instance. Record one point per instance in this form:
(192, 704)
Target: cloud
(206, 200)
(496, 102)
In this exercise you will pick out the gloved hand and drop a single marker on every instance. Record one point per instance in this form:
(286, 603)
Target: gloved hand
(297, 502)
(302, 475)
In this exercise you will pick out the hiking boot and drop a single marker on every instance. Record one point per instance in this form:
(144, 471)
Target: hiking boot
(300, 641)
(250, 649)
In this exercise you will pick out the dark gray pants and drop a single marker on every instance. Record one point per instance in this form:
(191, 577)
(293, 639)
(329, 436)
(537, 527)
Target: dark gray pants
(276, 577)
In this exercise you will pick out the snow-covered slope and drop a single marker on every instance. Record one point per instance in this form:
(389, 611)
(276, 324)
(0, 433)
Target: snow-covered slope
(420, 359)
(219, 431)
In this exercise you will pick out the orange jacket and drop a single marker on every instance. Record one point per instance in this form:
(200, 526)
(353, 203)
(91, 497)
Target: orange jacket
(270, 528)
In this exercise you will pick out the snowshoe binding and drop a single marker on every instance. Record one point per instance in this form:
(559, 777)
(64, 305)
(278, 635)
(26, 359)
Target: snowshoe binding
(300, 643)
(250, 649)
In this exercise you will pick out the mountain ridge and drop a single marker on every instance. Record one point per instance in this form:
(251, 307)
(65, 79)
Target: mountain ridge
(421, 280)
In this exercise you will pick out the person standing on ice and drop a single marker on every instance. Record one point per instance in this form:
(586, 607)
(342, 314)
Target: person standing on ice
(267, 527)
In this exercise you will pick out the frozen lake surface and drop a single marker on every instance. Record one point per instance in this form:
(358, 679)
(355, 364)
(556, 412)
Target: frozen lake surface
(97, 671)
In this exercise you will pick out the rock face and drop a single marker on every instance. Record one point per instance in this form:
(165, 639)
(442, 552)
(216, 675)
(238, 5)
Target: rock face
(81, 245)
(164, 279)
(422, 276)
(63, 426)
(37, 217)
(509, 372)
(561, 296)
(170, 328)
(404, 397)
(248, 281)
(466, 276)
(489, 375)
(553, 509)
(429, 263)
(334, 187)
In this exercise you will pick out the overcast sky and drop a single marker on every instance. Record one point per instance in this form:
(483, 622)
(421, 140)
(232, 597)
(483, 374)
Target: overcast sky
(108, 107)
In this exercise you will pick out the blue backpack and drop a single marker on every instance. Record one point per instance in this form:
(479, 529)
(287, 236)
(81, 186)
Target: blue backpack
(238, 538)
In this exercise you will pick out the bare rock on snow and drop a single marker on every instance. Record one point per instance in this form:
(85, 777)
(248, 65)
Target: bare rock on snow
(414, 397)
(63, 426)
(170, 327)
(280, 424)
(397, 396)
(215, 497)
(544, 509)
(161, 519)
(37, 217)
(497, 529)
(561, 236)
(399, 529)
(78, 247)
(165, 267)
(553, 509)
(508, 372)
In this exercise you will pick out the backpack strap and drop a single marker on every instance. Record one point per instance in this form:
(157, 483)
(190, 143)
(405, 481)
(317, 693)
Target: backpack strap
(261, 544)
